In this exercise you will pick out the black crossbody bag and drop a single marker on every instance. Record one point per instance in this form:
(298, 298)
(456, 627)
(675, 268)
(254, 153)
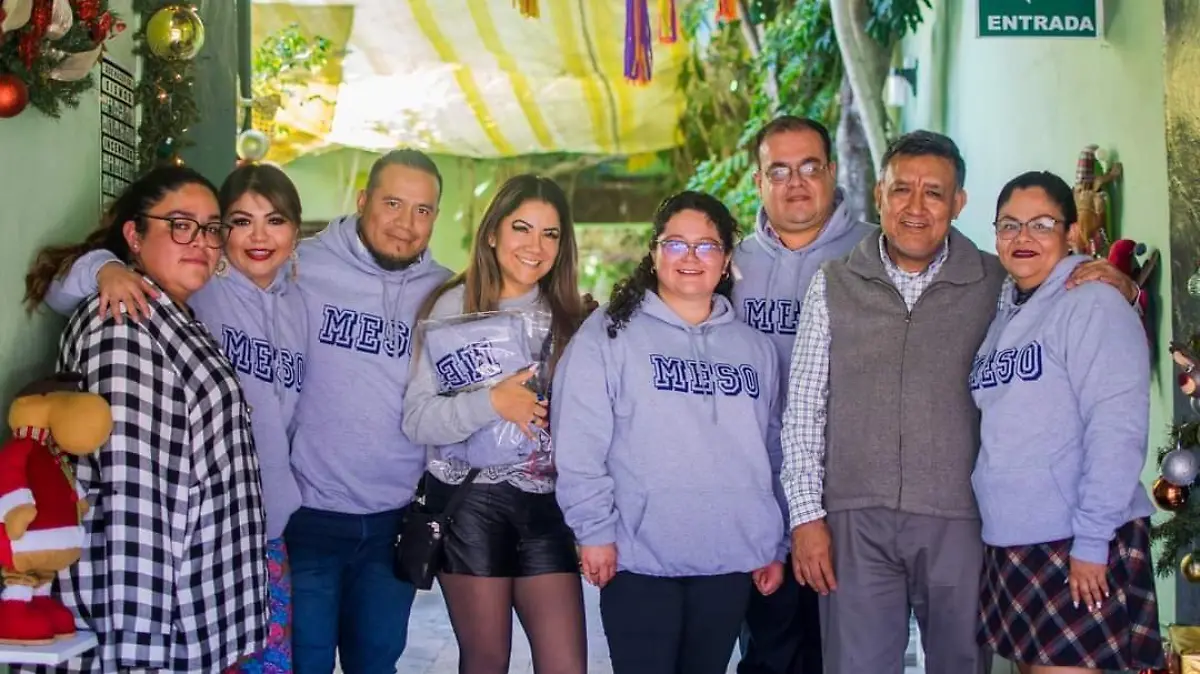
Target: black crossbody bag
(423, 535)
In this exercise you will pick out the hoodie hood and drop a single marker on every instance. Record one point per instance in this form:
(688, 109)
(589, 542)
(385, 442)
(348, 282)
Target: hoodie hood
(1054, 285)
(771, 279)
(722, 313)
(342, 238)
(838, 226)
(348, 451)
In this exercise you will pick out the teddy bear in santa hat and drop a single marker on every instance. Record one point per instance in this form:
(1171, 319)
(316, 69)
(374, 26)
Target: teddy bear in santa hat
(41, 505)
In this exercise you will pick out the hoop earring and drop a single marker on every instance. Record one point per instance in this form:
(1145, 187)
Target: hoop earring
(222, 269)
(294, 273)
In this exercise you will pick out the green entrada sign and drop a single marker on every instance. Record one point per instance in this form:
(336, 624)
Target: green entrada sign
(1041, 18)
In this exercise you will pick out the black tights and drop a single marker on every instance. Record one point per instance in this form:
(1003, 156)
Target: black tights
(550, 608)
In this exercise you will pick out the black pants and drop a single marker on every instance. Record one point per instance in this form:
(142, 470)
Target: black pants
(782, 634)
(673, 625)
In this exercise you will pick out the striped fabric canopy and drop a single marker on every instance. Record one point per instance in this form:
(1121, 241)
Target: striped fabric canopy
(473, 78)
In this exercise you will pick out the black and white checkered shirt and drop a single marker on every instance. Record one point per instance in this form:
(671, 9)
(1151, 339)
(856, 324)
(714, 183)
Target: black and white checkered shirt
(173, 576)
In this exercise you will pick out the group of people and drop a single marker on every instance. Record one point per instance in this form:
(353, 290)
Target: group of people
(793, 441)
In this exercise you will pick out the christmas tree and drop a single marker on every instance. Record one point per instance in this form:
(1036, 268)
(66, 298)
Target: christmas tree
(1178, 465)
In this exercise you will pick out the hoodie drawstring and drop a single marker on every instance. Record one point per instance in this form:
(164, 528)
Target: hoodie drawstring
(700, 355)
(273, 336)
(391, 310)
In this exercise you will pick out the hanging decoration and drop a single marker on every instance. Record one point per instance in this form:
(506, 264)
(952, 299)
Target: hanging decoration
(175, 33)
(51, 46)
(668, 22)
(1189, 567)
(1170, 497)
(170, 37)
(14, 96)
(727, 10)
(528, 8)
(639, 52)
(252, 145)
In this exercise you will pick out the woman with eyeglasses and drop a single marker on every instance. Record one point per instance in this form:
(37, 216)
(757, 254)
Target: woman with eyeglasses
(173, 575)
(1062, 382)
(253, 306)
(664, 403)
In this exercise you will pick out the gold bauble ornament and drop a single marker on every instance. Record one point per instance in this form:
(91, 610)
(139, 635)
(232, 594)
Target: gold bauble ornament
(1170, 497)
(175, 32)
(1189, 567)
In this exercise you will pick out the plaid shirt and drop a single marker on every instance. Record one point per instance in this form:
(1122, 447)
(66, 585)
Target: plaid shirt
(803, 435)
(173, 574)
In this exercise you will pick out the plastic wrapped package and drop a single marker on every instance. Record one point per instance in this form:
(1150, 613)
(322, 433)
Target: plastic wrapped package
(475, 351)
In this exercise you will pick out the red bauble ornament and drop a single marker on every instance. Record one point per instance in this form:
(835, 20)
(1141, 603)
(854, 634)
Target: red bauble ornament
(14, 96)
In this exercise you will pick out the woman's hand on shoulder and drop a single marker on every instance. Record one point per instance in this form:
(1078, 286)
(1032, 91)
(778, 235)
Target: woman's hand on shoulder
(124, 290)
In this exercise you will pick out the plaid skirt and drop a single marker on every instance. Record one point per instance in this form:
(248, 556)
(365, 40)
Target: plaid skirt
(1027, 615)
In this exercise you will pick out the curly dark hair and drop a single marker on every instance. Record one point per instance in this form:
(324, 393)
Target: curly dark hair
(628, 293)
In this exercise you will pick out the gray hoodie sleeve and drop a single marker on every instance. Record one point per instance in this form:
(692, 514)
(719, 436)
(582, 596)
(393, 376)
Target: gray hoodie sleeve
(775, 449)
(1108, 364)
(432, 419)
(582, 421)
(65, 293)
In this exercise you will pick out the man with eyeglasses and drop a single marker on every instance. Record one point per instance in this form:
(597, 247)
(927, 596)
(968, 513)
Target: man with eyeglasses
(880, 432)
(803, 222)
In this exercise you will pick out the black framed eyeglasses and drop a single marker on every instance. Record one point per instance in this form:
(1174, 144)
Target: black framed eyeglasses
(185, 230)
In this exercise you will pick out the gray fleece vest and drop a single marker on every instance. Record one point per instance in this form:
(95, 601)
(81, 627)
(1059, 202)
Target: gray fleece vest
(902, 431)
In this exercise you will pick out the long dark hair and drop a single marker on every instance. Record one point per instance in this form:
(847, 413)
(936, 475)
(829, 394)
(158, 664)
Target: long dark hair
(482, 281)
(268, 182)
(627, 294)
(139, 197)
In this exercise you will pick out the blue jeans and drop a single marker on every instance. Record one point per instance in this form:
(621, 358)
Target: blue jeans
(345, 597)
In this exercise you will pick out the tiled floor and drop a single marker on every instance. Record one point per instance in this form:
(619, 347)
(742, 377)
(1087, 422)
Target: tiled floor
(432, 650)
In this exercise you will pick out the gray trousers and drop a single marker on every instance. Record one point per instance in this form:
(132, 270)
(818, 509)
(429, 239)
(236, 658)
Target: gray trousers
(888, 563)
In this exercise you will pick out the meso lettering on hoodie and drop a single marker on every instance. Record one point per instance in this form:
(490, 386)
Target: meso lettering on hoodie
(698, 377)
(773, 317)
(364, 332)
(256, 357)
(1001, 367)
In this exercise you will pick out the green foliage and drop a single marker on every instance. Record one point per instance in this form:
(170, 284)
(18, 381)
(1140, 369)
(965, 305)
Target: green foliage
(285, 62)
(1177, 535)
(729, 100)
(165, 94)
(727, 93)
(48, 96)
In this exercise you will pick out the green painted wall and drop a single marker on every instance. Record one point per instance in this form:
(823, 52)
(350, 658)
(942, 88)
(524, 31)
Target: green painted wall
(1019, 104)
(49, 194)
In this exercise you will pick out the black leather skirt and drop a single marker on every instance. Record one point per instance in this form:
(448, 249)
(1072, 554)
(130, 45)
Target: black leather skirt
(501, 531)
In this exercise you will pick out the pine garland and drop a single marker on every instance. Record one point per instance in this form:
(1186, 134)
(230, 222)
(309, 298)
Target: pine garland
(51, 97)
(1179, 533)
(165, 94)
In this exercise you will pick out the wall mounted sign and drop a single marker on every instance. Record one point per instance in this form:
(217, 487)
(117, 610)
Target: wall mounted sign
(118, 130)
(1041, 18)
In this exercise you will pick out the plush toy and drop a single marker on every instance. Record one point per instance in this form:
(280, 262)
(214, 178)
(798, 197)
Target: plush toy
(41, 505)
(1091, 202)
(1123, 254)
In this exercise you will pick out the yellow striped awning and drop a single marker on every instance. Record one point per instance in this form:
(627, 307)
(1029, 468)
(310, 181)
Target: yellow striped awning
(473, 78)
